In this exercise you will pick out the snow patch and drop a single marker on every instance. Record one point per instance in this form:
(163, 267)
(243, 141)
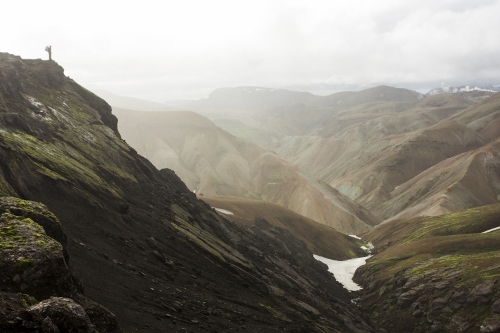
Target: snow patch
(223, 211)
(343, 270)
(454, 90)
(368, 248)
(485, 232)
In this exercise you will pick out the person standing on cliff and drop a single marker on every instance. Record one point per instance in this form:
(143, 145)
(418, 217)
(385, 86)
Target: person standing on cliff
(49, 49)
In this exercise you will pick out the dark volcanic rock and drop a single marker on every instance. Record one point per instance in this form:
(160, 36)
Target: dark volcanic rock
(201, 272)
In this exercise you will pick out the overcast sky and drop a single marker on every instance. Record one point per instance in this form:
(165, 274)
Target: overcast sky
(183, 49)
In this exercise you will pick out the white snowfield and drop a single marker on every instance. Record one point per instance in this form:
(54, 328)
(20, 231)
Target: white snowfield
(485, 232)
(223, 211)
(344, 270)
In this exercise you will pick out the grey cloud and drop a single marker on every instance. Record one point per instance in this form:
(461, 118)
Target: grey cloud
(176, 52)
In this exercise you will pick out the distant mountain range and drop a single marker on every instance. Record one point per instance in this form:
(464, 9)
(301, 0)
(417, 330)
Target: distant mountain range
(382, 148)
(454, 90)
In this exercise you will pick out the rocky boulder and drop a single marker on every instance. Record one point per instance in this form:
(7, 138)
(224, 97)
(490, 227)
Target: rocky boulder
(63, 313)
(31, 262)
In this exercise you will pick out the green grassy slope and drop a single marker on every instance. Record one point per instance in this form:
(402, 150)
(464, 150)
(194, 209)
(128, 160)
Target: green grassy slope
(434, 273)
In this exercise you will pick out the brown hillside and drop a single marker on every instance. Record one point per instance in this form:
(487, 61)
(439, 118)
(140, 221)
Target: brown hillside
(464, 181)
(320, 239)
(371, 150)
(214, 163)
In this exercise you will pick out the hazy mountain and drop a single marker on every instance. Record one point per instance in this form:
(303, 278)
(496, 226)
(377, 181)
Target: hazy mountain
(212, 162)
(139, 241)
(281, 112)
(240, 99)
(463, 181)
(250, 133)
(364, 145)
(132, 103)
(369, 151)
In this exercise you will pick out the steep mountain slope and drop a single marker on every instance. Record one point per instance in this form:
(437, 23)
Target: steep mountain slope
(464, 181)
(138, 239)
(367, 161)
(215, 163)
(320, 239)
(435, 273)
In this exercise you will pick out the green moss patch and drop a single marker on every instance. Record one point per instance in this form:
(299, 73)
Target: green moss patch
(24, 264)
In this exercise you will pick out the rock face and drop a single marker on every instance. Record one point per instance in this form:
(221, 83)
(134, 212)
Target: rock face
(32, 267)
(138, 240)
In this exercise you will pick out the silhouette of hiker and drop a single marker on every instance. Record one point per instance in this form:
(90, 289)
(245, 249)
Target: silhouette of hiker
(49, 49)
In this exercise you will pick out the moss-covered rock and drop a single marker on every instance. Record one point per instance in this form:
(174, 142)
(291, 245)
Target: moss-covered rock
(32, 266)
(30, 261)
(37, 212)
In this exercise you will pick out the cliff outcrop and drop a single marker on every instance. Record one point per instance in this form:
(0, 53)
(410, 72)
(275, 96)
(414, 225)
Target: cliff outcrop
(33, 270)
